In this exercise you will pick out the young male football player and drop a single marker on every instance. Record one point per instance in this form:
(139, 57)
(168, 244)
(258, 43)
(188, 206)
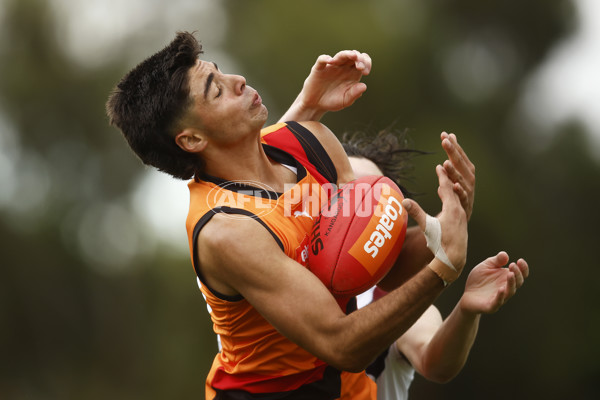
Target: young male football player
(282, 333)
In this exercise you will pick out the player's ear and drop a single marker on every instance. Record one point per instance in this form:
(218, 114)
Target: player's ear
(191, 140)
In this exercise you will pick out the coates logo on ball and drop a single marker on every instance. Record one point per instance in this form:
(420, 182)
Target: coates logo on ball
(358, 235)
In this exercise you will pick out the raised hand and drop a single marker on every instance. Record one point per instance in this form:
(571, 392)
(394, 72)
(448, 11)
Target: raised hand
(460, 170)
(490, 285)
(453, 223)
(333, 84)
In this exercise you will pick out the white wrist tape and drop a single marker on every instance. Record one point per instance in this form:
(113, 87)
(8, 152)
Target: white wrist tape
(433, 235)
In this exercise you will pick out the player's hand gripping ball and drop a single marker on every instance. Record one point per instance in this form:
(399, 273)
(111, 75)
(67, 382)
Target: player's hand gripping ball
(358, 235)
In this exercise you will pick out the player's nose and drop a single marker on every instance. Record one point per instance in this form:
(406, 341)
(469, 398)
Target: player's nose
(238, 84)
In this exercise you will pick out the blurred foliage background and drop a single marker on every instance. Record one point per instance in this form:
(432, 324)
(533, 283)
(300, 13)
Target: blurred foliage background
(98, 300)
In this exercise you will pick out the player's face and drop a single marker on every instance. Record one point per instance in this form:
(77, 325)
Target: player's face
(224, 106)
(363, 167)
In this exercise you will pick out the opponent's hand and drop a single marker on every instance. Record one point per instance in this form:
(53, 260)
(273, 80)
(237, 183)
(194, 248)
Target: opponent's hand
(489, 285)
(460, 170)
(452, 219)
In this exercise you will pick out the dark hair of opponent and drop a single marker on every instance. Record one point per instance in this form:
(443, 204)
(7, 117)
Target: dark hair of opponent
(389, 150)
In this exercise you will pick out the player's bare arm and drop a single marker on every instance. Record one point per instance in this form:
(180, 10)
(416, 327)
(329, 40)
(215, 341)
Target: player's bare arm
(413, 343)
(240, 256)
(440, 353)
(333, 84)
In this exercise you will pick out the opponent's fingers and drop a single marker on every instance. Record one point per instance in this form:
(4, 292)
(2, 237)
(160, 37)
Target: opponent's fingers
(523, 267)
(520, 279)
(457, 154)
(459, 148)
(511, 285)
(498, 300)
(452, 172)
(455, 157)
(462, 195)
(499, 260)
(416, 212)
(459, 170)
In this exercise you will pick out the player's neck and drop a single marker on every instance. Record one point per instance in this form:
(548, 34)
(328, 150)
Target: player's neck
(248, 163)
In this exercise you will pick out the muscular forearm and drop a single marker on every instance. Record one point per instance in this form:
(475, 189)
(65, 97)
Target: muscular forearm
(413, 257)
(372, 329)
(445, 355)
(299, 111)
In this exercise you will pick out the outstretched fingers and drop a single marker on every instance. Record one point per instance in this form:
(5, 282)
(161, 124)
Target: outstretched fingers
(445, 190)
(523, 267)
(460, 170)
(511, 284)
(416, 212)
(456, 152)
(498, 300)
(521, 271)
(499, 260)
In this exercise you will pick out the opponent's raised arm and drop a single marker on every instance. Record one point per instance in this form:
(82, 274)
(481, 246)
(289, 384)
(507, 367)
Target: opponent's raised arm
(333, 84)
(489, 285)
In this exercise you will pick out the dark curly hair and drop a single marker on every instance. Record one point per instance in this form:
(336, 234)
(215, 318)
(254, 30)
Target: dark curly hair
(389, 149)
(147, 105)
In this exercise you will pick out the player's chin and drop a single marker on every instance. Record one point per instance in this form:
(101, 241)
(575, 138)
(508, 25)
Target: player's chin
(262, 114)
(259, 116)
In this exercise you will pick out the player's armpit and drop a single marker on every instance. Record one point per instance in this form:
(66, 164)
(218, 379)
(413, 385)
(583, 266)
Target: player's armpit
(237, 252)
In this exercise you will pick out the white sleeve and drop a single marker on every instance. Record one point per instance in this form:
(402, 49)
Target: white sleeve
(395, 379)
(365, 298)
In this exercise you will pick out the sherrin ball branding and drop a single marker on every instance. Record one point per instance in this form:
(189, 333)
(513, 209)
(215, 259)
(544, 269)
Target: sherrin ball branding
(358, 235)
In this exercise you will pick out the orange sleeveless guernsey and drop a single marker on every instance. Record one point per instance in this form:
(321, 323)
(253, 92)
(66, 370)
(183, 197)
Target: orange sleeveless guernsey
(255, 361)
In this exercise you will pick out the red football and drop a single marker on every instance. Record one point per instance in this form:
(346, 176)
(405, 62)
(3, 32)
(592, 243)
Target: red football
(358, 235)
